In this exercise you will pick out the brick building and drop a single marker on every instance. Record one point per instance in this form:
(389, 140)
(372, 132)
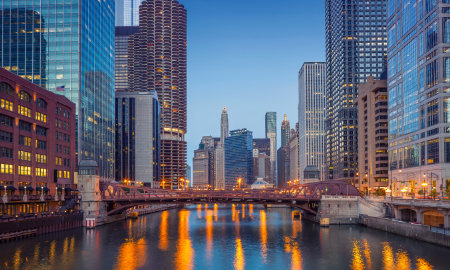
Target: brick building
(37, 141)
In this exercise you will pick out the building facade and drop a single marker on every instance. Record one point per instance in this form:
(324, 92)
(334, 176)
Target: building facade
(285, 132)
(138, 141)
(293, 155)
(68, 62)
(238, 158)
(261, 166)
(262, 145)
(127, 12)
(157, 61)
(122, 35)
(271, 134)
(373, 158)
(201, 169)
(419, 99)
(311, 118)
(283, 162)
(355, 49)
(37, 140)
(219, 182)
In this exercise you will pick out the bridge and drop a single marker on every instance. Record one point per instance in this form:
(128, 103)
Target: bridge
(120, 197)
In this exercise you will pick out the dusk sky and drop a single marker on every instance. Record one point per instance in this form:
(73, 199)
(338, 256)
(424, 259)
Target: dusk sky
(245, 55)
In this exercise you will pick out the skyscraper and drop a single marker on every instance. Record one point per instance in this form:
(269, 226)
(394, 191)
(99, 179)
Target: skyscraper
(355, 49)
(123, 33)
(238, 158)
(293, 155)
(157, 61)
(49, 44)
(271, 133)
(285, 131)
(419, 104)
(127, 12)
(311, 117)
(220, 152)
(223, 126)
(138, 149)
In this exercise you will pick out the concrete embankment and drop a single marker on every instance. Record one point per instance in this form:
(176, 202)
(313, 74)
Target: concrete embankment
(150, 210)
(416, 231)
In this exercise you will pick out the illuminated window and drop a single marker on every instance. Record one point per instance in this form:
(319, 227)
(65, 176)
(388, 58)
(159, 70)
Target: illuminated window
(25, 96)
(6, 168)
(24, 111)
(41, 117)
(24, 170)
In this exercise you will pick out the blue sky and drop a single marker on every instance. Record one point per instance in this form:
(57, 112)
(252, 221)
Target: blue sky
(245, 55)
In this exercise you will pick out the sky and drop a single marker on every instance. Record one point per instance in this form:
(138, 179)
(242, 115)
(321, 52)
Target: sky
(245, 55)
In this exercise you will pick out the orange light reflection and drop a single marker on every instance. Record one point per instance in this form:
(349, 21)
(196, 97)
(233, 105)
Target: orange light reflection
(163, 234)
(184, 258)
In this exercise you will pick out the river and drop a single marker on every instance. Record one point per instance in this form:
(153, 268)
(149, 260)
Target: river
(222, 237)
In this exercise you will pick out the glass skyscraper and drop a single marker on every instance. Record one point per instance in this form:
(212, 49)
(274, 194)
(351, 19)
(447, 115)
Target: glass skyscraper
(311, 117)
(49, 43)
(419, 94)
(271, 134)
(355, 49)
(127, 12)
(238, 158)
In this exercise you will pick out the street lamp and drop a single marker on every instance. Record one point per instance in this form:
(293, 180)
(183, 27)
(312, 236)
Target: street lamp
(187, 186)
(424, 184)
(239, 181)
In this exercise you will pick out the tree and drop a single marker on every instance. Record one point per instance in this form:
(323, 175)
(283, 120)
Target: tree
(447, 191)
(420, 192)
(434, 193)
(379, 192)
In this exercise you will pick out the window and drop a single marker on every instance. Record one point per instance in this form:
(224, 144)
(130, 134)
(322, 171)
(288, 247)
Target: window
(41, 172)
(24, 155)
(41, 103)
(411, 156)
(41, 131)
(24, 170)
(6, 168)
(58, 161)
(24, 111)
(41, 144)
(432, 112)
(6, 152)
(6, 120)
(25, 96)
(41, 117)
(24, 126)
(41, 158)
(433, 151)
(24, 140)
(6, 136)
(7, 105)
(432, 74)
(6, 88)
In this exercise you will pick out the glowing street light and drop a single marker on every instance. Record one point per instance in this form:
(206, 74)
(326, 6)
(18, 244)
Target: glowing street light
(239, 181)
(424, 185)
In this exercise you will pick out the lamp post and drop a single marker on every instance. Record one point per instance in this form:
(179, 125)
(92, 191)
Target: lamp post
(424, 184)
(239, 181)
(187, 186)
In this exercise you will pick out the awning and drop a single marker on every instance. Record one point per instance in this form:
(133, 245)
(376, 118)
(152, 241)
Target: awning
(28, 188)
(59, 189)
(11, 188)
(68, 189)
(40, 188)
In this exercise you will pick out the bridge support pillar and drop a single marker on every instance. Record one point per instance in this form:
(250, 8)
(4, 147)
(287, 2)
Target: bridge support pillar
(419, 216)
(447, 220)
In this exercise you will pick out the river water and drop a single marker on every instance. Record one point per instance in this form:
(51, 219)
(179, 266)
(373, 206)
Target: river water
(222, 237)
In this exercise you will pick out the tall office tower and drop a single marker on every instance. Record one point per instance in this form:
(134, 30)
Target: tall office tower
(261, 166)
(238, 158)
(138, 143)
(219, 182)
(204, 164)
(271, 134)
(223, 126)
(418, 87)
(262, 145)
(123, 33)
(127, 12)
(355, 49)
(293, 155)
(285, 132)
(311, 117)
(283, 170)
(48, 44)
(157, 61)
(373, 157)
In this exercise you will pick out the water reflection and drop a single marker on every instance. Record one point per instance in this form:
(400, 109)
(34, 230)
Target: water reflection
(163, 227)
(249, 238)
(131, 255)
(209, 233)
(184, 257)
(263, 232)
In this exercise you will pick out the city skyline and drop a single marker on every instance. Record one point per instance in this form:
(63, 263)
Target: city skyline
(246, 63)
